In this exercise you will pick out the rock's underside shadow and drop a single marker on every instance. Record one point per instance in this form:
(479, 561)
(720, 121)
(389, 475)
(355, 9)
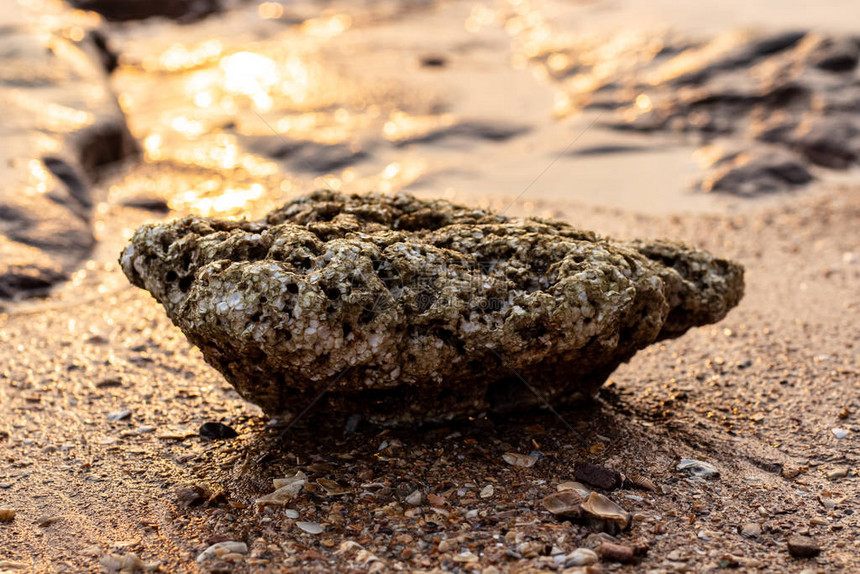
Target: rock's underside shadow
(413, 311)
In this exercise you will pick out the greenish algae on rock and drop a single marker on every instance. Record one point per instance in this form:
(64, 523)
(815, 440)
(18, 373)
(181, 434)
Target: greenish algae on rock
(409, 311)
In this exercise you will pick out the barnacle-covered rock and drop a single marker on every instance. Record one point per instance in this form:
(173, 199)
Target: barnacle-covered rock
(405, 310)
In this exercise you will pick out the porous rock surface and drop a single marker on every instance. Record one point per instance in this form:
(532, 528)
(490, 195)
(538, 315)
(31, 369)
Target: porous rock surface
(408, 311)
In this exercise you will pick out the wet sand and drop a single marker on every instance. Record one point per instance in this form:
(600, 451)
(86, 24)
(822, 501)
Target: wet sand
(763, 396)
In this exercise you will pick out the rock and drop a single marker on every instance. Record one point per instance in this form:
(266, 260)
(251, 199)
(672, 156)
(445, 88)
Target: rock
(7, 514)
(615, 552)
(217, 431)
(698, 468)
(130, 562)
(750, 530)
(121, 10)
(803, 547)
(565, 503)
(413, 311)
(597, 475)
(62, 124)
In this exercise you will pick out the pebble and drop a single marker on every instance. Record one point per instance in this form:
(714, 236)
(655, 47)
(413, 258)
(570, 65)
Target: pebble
(751, 530)
(216, 431)
(130, 562)
(119, 415)
(615, 552)
(581, 557)
(487, 491)
(415, 498)
(221, 548)
(193, 495)
(516, 459)
(837, 473)
(7, 514)
(597, 475)
(803, 547)
(698, 468)
(676, 556)
(831, 500)
(465, 557)
(839, 433)
(292, 513)
(310, 527)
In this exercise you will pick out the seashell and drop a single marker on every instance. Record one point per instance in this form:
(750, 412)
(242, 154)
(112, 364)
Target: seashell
(332, 487)
(286, 490)
(601, 507)
(582, 490)
(565, 503)
(641, 482)
(516, 459)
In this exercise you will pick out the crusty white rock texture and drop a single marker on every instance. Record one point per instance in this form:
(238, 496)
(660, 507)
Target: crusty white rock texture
(412, 311)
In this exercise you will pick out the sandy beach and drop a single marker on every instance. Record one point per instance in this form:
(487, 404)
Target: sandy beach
(102, 397)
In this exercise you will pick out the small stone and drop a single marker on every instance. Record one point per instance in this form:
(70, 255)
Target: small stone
(837, 473)
(217, 431)
(516, 459)
(565, 503)
(751, 530)
(581, 557)
(615, 552)
(130, 562)
(415, 498)
(119, 415)
(291, 513)
(47, 520)
(790, 472)
(803, 547)
(7, 514)
(698, 468)
(597, 475)
(188, 496)
(465, 557)
(310, 527)
(220, 548)
(676, 556)
(831, 500)
(839, 433)
(487, 491)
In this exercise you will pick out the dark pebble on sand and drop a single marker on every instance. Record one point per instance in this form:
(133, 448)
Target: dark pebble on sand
(217, 431)
(597, 475)
(803, 547)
